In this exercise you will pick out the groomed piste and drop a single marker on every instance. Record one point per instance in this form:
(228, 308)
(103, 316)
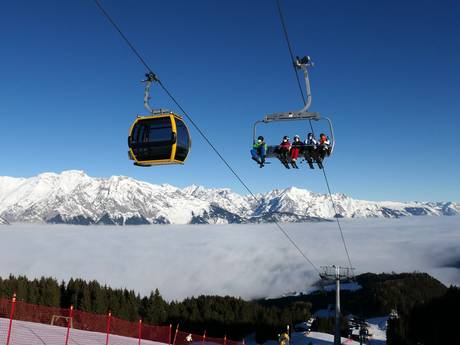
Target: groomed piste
(30, 333)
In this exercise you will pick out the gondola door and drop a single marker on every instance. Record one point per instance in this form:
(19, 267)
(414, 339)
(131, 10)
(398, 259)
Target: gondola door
(153, 140)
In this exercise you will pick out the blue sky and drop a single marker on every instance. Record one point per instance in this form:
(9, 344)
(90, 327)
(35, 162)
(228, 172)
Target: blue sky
(387, 73)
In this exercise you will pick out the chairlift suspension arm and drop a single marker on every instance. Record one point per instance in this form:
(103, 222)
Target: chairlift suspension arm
(303, 64)
(307, 88)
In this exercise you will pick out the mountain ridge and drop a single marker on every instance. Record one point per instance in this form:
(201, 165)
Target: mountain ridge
(72, 197)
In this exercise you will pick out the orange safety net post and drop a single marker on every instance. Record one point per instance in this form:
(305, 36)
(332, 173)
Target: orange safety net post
(109, 317)
(69, 324)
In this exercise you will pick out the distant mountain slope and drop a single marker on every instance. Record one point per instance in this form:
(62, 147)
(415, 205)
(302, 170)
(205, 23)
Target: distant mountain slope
(75, 198)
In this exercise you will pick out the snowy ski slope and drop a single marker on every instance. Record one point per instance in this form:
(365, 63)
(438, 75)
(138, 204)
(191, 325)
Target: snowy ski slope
(29, 333)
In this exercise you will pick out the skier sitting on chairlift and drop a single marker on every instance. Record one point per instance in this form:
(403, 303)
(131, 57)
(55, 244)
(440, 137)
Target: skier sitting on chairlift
(324, 146)
(259, 150)
(295, 149)
(310, 151)
(311, 140)
(283, 149)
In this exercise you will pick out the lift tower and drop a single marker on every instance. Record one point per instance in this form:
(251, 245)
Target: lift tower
(337, 274)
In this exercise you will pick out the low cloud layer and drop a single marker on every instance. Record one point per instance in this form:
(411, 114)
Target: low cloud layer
(240, 260)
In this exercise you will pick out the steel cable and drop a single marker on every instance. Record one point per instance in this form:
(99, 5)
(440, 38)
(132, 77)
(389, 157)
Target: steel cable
(286, 36)
(200, 131)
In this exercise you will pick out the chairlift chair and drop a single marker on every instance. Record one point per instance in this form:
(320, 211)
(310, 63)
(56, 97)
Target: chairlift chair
(306, 151)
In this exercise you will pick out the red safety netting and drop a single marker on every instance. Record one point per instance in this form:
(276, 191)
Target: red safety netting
(89, 321)
(161, 334)
(211, 340)
(40, 314)
(5, 307)
(233, 342)
(37, 325)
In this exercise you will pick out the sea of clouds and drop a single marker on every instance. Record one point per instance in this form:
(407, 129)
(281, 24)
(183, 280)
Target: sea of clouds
(250, 261)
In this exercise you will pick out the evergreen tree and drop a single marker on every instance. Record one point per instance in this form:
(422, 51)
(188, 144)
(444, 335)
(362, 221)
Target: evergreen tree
(33, 292)
(98, 297)
(84, 297)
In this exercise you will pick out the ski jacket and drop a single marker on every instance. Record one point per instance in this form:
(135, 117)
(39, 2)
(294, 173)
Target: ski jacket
(258, 146)
(311, 141)
(285, 145)
(297, 143)
(324, 141)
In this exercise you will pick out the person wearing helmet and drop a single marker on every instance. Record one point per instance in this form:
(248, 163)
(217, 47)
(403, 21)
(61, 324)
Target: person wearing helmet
(311, 145)
(285, 144)
(295, 149)
(311, 140)
(259, 150)
(283, 150)
(324, 146)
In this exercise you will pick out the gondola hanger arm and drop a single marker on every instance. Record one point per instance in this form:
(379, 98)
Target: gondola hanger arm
(150, 78)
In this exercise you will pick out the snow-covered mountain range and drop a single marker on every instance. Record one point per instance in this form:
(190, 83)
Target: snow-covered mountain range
(75, 198)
